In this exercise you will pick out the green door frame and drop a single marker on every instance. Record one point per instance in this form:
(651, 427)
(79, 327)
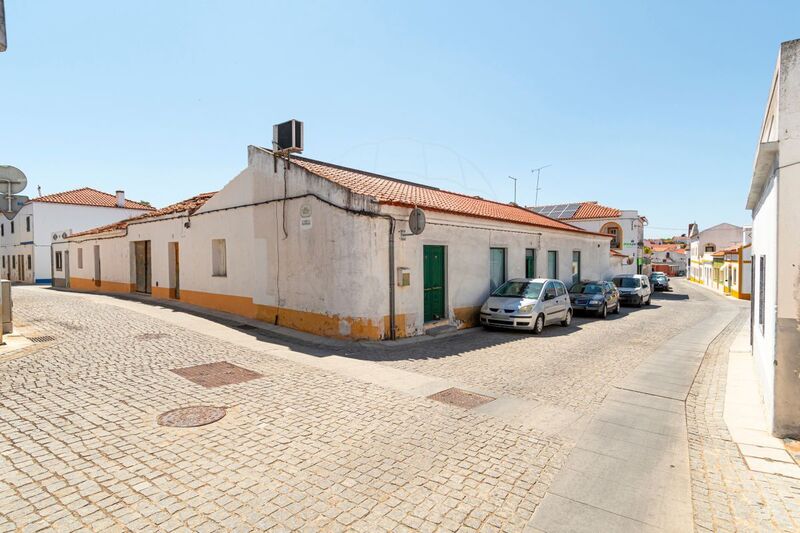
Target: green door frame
(433, 265)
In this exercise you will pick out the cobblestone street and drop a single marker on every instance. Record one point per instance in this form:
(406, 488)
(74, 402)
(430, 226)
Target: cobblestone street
(306, 448)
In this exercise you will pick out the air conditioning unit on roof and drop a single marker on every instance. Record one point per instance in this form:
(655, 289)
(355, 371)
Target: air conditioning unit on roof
(287, 137)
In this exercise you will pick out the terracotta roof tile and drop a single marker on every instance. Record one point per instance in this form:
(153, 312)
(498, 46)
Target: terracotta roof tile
(666, 247)
(391, 191)
(88, 196)
(190, 204)
(615, 253)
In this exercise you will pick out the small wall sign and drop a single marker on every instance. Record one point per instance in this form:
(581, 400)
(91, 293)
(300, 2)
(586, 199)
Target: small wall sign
(305, 216)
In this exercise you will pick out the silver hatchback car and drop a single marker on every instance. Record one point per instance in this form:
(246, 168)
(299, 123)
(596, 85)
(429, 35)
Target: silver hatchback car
(527, 304)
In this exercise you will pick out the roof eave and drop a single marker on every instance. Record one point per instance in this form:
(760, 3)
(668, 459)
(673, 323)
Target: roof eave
(570, 228)
(765, 155)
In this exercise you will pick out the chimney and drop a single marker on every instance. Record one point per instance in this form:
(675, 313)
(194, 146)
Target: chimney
(120, 198)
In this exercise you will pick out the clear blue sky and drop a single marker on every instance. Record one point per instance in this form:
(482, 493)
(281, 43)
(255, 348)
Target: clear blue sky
(652, 106)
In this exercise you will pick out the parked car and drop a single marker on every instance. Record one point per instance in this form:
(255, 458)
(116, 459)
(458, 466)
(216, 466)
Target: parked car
(633, 289)
(599, 297)
(659, 281)
(527, 304)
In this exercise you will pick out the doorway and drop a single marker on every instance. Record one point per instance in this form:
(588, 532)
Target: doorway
(173, 254)
(66, 268)
(142, 257)
(434, 282)
(21, 263)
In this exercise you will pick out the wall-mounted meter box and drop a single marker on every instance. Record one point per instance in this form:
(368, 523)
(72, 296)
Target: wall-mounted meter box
(403, 276)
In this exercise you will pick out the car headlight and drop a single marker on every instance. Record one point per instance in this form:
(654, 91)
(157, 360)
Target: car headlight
(485, 307)
(526, 308)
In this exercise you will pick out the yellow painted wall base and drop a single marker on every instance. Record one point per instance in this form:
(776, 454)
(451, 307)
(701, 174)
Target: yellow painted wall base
(83, 284)
(335, 326)
(468, 317)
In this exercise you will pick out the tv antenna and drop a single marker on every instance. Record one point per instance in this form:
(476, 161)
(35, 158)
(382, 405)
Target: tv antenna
(538, 173)
(515, 187)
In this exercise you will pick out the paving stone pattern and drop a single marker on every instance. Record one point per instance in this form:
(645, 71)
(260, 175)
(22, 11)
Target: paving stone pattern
(560, 367)
(726, 495)
(298, 449)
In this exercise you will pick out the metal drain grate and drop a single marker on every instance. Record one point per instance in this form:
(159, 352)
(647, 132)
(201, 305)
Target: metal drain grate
(461, 398)
(42, 338)
(216, 374)
(190, 417)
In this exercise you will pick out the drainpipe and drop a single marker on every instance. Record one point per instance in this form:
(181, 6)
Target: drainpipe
(392, 334)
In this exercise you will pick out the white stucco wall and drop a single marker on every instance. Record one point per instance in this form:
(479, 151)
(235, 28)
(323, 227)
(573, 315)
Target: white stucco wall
(47, 219)
(337, 266)
(632, 237)
(765, 220)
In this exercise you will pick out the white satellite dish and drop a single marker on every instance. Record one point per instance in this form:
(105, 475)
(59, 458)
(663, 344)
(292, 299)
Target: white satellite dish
(12, 180)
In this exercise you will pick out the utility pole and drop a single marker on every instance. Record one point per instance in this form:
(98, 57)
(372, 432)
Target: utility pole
(515, 187)
(538, 172)
(2, 27)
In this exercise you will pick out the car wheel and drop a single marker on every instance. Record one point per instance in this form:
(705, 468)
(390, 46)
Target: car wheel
(648, 300)
(616, 309)
(538, 326)
(640, 302)
(603, 313)
(567, 319)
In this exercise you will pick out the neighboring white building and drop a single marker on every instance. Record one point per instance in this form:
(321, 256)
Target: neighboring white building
(326, 249)
(625, 226)
(703, 245)
(774, 199)
(26, 236)
(669, 258)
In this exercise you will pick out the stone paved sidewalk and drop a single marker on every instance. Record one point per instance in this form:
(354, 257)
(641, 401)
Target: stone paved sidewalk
(726, 495)
(300, 448)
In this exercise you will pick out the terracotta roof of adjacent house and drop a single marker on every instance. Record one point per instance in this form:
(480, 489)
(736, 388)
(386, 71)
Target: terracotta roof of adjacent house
(190, 204)
(577, 211)
(666, 247)
(88, 196)
(729, 249)
(392, 191)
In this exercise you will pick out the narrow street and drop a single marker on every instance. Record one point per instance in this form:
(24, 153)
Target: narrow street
(344, 437)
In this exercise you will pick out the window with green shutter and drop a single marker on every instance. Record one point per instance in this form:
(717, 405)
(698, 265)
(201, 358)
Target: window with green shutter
(530, 263)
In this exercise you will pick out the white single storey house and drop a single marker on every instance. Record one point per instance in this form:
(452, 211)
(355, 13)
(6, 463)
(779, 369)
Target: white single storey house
(327, 249)
(626, 228)
(26, 236)
(774, 198)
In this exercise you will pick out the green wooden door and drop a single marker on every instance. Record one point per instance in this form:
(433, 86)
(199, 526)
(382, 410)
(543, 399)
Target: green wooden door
(433, 266)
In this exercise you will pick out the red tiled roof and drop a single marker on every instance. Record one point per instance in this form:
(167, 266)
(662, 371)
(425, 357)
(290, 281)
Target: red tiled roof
(595, 210)
(666, 247)
(615, 253)
(190, 204)
(391, 191)
(88, 196)
(728, 250)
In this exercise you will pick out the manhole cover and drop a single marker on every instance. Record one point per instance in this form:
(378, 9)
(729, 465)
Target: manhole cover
(42, 338)
(189, 417)
(216, 374)
(460, 398)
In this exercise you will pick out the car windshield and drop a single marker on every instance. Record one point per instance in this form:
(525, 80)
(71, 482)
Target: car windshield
(519, 289)
(586, 288)
(627, 283)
